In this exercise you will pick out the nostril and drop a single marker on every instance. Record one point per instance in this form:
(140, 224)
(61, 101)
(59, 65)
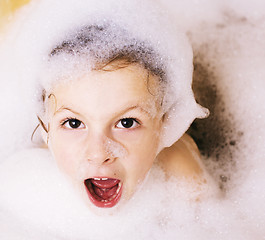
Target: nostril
(108, 160)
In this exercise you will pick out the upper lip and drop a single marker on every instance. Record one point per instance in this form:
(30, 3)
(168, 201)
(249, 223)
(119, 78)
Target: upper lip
(103, 178)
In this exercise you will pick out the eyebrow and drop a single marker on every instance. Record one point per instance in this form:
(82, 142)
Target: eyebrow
(63, 108)
(135, 107)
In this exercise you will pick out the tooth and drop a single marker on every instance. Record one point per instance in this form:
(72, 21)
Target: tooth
(119, 187)
(104, 178)
(96, 178)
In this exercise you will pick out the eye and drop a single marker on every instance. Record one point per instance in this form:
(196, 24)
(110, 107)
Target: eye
(128, 123)
(73, 123)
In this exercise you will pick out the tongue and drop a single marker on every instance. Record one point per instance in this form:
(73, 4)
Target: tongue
(105, 189)
(105, 193)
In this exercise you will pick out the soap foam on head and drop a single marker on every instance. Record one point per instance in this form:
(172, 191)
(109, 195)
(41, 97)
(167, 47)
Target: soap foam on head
(44, 205)
(34, 44)
(116, 24)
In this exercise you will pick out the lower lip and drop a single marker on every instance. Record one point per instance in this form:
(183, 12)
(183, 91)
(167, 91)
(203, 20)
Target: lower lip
(105, 204)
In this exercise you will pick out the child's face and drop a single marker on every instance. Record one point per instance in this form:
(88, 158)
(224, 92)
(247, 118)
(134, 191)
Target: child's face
(104, 132)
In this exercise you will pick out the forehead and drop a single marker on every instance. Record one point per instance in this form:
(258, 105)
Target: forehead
(122, 87)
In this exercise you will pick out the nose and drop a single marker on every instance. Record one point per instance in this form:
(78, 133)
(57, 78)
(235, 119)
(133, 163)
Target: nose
(97, 151)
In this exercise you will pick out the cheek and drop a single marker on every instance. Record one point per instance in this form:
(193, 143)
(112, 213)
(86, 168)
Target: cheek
(141, 156)
(142, 137)
(66, 152)
(137, 168)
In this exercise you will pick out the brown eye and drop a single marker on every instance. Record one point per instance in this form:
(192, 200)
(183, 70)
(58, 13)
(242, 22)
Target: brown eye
(128, 123)
(73, 123)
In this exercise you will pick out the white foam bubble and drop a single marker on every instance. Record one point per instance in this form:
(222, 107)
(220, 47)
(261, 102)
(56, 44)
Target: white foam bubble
(45, 200)
(36, 202)
(36, 43)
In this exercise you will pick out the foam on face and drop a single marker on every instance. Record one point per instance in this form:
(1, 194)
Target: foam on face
(36, 200)
(114, 149)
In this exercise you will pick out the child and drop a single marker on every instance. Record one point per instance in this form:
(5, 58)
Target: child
(108, 116)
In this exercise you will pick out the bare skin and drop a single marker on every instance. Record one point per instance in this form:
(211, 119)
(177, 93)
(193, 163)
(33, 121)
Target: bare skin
(181, 159)
(89, 138)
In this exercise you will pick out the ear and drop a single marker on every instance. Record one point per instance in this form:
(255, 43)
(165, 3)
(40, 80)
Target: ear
(177, 119)
(173, 127)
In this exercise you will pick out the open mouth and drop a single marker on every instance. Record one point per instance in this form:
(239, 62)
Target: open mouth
(103, 192)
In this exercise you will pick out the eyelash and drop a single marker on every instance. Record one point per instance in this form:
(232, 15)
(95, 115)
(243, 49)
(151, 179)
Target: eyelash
(129, 118)
(135, 121)
(67, 120)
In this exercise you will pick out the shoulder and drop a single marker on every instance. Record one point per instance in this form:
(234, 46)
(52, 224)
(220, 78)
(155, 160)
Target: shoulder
(182, 159)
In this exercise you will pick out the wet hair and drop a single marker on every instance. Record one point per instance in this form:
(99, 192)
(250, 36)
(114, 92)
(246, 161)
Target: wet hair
(108, 45)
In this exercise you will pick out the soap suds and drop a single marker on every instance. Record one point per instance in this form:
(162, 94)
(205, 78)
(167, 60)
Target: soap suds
(37, 202)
